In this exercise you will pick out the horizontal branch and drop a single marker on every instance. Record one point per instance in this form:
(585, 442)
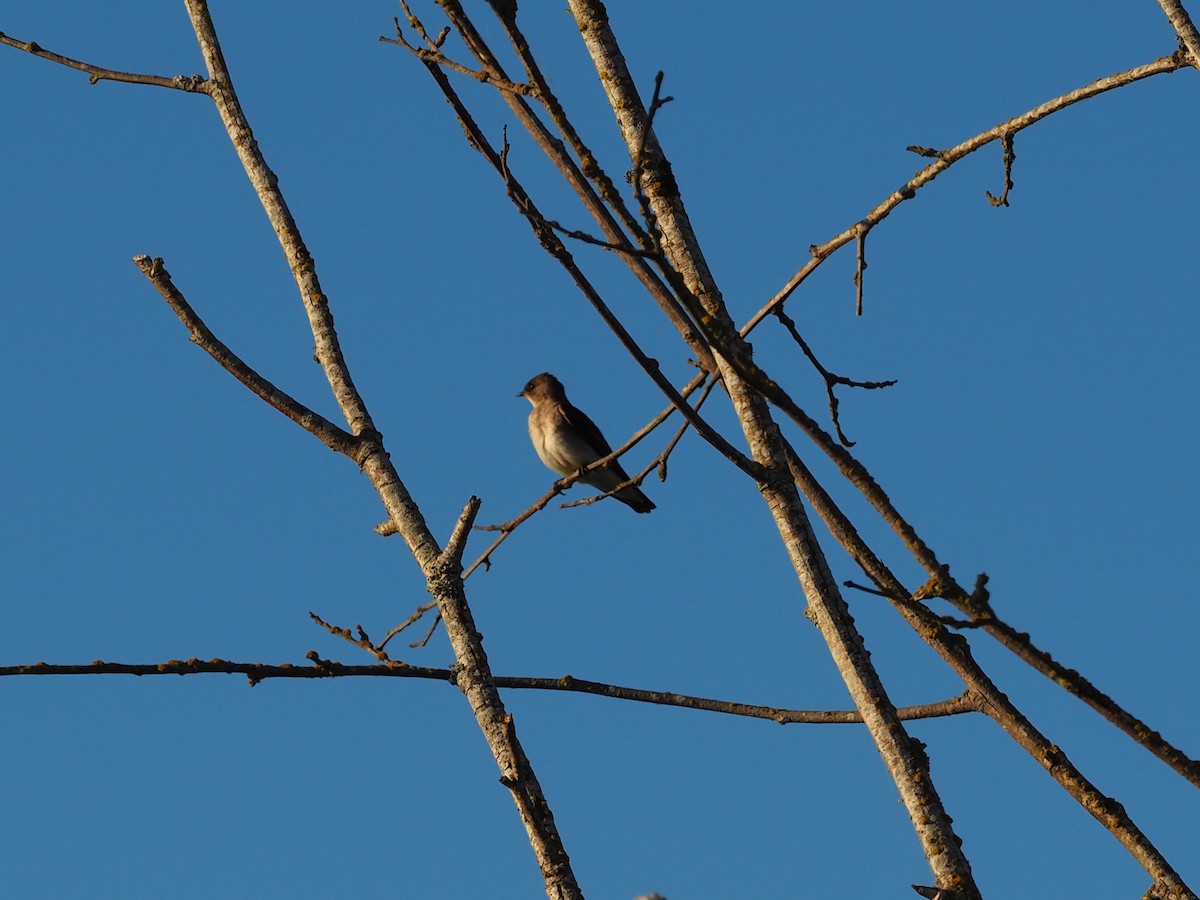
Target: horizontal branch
(323, 668)
(194, 84)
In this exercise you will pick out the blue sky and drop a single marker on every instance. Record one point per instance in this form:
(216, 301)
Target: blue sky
(1043, 430)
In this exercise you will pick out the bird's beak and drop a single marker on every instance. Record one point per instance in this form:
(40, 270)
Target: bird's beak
(522, 394)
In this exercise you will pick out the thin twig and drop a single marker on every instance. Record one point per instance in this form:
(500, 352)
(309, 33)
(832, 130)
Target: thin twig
(433, 54)
(588, 165)
(657, 102)
(361, 640)
(324, 668)
(1009, 157)
(192, 84)
(860, 267)
(947, 158)
(315, 424)
(829, 378)
(585, 238)
(551, 242)
(663, 293)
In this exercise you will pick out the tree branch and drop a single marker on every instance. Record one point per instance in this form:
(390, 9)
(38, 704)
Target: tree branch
(442, 573)
(1184, 28)
(956, 652)
(329, 434)
(192, 84)
(323, 668)
(906, 764)
(947, 158)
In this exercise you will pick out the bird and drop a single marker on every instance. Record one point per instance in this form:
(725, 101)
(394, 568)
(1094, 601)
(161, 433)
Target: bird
(566, 440)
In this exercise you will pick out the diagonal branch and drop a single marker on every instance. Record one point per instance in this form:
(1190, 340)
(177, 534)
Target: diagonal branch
(573, 172)
(442, 571)
(553, 245)
(330, 435)
(1184, 28)
(942, 584)
(830, 379)
(956, 652)
(947, 158)
(194, 84)
(906, 764)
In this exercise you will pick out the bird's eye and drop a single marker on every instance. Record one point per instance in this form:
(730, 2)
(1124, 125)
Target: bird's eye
(528, 387)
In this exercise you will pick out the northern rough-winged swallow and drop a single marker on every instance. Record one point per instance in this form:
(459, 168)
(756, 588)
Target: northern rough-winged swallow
(566, 440)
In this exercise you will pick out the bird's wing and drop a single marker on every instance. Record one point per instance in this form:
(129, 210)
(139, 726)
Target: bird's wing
(585, 428)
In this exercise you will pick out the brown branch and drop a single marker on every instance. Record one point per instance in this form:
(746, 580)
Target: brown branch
(556, 248)
(682, 430)
(1189, 38)
(584, 238)
(315, 424)
(323, 668)
(957, 654)
(433, 54)
(941, 584)
(192, 84)
(588, 166)
(908, 767)
(860, 267)
(977, 605)
(573, 173)
(361, 640)
(947, 158)
(829, 378)
(442, 572)
(1009, 157)
(416, 616)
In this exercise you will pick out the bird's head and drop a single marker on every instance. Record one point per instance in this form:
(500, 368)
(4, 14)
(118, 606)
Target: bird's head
(543, 387)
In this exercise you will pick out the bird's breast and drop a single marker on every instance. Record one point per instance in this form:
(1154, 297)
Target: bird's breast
(557, 444)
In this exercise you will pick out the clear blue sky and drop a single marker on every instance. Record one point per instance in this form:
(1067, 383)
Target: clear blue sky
(1043, 430)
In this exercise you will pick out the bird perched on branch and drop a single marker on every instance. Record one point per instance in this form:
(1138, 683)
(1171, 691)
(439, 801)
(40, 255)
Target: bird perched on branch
(566, 440)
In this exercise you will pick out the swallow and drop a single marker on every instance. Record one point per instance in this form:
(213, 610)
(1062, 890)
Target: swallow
(566, 440)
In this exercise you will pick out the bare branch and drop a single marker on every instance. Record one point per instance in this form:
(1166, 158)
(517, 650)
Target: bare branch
(956, 652)
(947, 158)
(432, 54)
(323, 668)
(941, 584)
(453, 553)
(192, 84)
(573, 172)
(829, 378)
(555, 247)
(860, 267)
(315, 424)
(588, 166)
(416, 616)
(1184, 28)
(442, 574)
(907, 766)
(1009, 157)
